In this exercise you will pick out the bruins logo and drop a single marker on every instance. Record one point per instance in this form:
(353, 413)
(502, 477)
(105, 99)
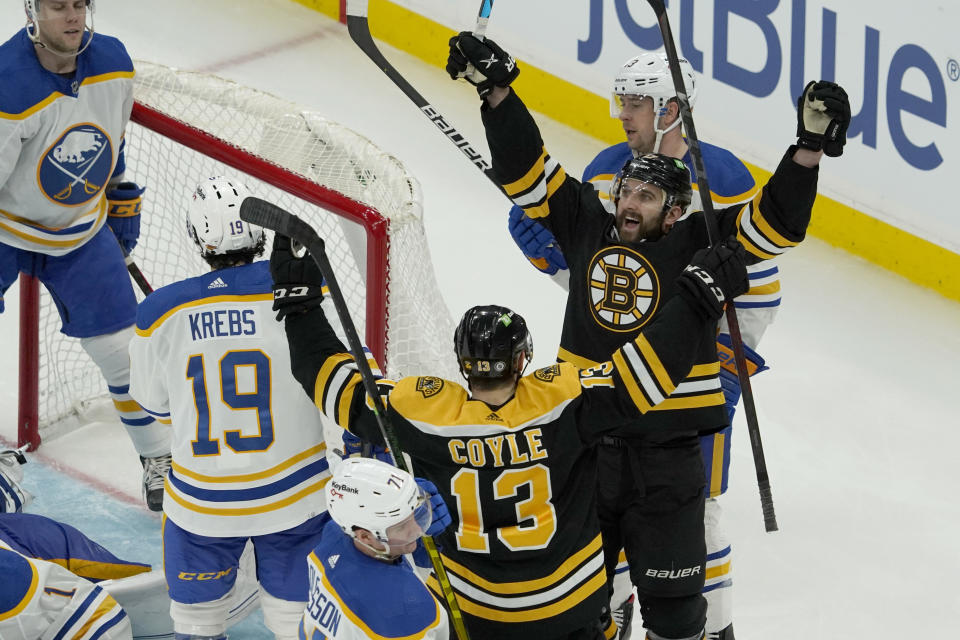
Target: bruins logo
(547, 374)
(624, 289)
(429, 386)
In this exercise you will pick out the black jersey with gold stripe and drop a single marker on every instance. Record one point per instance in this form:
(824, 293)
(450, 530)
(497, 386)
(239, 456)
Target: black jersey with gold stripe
(617, 288)
(523, 553)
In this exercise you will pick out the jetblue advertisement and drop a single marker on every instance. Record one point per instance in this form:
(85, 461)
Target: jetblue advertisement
(898, 61)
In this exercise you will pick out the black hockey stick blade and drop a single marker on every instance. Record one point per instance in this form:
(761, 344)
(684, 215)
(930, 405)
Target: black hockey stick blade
(709, 216)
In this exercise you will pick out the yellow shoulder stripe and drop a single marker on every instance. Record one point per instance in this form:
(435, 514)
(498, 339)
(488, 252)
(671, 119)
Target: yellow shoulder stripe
(255, 297)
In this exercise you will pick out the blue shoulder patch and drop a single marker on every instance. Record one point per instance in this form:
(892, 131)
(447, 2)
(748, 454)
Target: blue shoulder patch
(17, 578)
(105, 54)
(26, 83)
(608, 161)
(728, 176)
(246, 280)
(390, 599)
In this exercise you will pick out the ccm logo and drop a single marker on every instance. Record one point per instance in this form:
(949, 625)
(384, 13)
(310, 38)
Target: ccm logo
(673, 575)
(211, 575)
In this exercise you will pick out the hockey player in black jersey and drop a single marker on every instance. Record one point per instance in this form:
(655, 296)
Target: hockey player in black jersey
(622, 269)
(512, 456)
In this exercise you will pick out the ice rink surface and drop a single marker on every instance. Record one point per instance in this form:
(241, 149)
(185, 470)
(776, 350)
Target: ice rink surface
(857, 413)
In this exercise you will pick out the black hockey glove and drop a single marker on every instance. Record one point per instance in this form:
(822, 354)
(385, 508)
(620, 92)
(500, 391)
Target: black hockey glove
(482, 62)
(714, 276)
(297, 282)
(823, 115)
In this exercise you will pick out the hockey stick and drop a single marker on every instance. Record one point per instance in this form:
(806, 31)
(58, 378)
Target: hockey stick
(749, 407)
(135, 272)
(359, 29)
(270, 216)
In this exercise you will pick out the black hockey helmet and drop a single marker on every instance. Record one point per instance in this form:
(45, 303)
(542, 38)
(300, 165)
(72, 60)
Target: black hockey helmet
(670, 174)
(489, 339)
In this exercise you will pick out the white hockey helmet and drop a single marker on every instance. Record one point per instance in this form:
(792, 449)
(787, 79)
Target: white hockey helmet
(213, 218)
(13, 497)
(32, 9)
(648, 74)
(373, 495)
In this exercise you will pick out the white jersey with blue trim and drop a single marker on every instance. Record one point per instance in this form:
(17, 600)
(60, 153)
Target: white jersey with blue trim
(356, 597)
(210, 358)
(730, 184)
(39, 599)
(60, 142)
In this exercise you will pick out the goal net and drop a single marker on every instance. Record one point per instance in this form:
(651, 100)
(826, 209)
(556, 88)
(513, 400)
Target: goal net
(187, 127)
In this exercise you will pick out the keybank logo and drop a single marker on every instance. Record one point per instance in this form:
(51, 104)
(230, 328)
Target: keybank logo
(786, 51)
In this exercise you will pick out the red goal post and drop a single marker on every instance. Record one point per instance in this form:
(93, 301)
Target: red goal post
(186, 127)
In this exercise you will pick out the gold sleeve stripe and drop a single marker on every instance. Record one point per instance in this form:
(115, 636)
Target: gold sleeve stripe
(345, 402)
(704, 370)
(511, 588)
(579, 362)
(536, 204)
(534, 174)
(653, 363)
(716, 466)
(630, 383)
(752, 248)
(727, 201)
(760, 223)
(321, 386)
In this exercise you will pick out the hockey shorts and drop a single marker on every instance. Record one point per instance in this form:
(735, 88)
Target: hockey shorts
(204, 568)
(90, 285)
(650, 503)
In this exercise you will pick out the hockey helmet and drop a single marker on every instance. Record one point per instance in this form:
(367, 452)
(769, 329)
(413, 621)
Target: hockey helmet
(376, 496)
(670, 174)
(648, 74)
(32, 9)
(489, 339)
(213, 219)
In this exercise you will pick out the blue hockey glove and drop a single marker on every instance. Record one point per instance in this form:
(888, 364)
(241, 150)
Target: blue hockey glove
(536, 242)
(441, 515)
(123, 214)
(353, 448)
(729, 381)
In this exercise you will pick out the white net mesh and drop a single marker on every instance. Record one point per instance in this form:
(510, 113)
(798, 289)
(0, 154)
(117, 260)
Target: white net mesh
(417, 326)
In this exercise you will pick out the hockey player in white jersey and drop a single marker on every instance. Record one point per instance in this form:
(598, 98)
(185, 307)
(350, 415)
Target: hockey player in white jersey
(248, 448)
(361, 584)
(65, 101)
(643, 98)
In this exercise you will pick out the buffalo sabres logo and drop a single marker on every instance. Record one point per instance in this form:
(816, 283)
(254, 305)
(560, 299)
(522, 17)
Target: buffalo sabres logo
(624, 289)
(75, 168)
(547, 374)
(429, 386)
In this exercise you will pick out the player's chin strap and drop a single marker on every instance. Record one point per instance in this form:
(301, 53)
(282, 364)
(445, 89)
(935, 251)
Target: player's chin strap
(34, 36)
(660, 132)
(382, 555)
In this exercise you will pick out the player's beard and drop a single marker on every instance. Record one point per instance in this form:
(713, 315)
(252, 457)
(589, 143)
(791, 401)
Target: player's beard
(646, 231)
(60, 43)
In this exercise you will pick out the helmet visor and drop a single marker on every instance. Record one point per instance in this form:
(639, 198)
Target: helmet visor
(413, 527)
